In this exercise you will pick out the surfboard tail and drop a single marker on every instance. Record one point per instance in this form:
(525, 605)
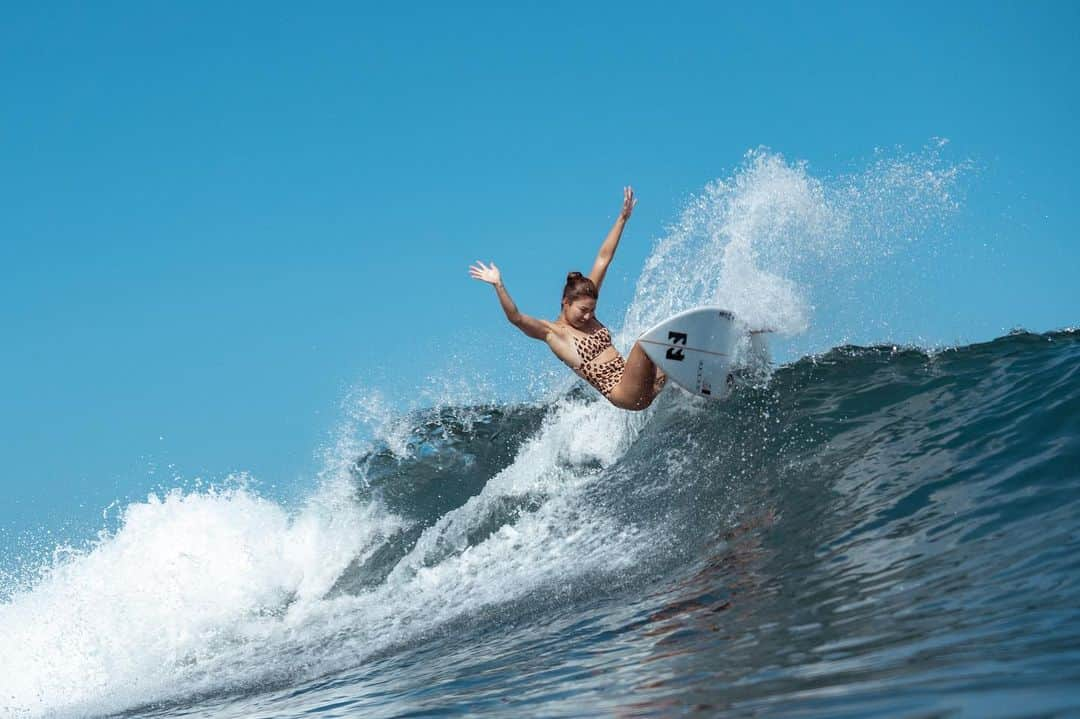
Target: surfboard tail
(759, 347)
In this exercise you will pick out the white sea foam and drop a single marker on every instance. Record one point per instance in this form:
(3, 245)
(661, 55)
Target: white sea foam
(184, 575)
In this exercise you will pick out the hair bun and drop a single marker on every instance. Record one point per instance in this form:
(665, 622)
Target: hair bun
(578, 285)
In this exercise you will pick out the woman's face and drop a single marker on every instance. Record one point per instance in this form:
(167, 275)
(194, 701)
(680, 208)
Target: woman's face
(579, 312)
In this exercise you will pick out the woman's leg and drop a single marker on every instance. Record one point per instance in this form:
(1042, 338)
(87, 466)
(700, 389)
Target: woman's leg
(660, 381)
(641, 381)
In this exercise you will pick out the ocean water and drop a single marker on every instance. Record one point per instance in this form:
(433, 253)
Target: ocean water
(881, 530)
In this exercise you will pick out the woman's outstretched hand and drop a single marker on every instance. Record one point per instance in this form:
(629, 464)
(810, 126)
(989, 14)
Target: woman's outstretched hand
(628, 202)
(485, 273)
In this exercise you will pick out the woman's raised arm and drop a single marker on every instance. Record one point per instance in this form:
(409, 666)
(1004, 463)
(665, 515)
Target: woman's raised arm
(611, 242)
(531, 326)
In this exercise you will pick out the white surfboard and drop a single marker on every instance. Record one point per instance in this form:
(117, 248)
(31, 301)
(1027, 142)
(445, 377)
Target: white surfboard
(696, 348)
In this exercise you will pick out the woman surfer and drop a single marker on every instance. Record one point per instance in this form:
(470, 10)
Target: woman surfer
(578, 338)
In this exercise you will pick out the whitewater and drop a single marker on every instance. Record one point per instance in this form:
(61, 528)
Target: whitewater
(870, 527)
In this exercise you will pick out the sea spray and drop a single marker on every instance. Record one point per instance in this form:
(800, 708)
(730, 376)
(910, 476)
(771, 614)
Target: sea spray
(774, 243)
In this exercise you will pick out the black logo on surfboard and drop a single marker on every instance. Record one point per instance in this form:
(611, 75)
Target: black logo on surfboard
(676, 353)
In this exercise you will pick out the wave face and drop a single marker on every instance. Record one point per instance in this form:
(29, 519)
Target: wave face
(877, 530)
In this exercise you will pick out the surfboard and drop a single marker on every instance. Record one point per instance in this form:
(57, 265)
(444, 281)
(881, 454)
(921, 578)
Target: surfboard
(696, 348)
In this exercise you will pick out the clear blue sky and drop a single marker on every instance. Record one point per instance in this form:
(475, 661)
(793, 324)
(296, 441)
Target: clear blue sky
(217, 218)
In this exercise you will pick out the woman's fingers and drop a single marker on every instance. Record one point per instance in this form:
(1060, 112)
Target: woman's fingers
(628, 201)
(485, 272)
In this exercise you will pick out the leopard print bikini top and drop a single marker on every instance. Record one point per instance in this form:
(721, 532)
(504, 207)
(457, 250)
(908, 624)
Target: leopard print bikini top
(604, 376)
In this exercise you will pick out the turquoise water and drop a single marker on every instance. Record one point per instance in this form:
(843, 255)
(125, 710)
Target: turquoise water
(874, 531)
